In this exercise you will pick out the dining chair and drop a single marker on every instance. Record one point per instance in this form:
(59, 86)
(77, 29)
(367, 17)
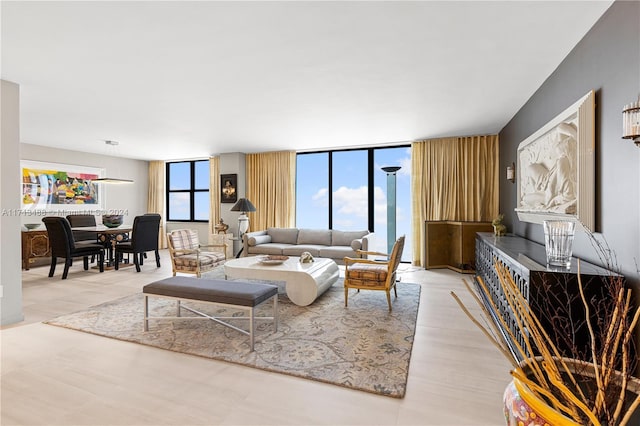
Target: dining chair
(370, 274)
(144, 238)
(83, 237)
(63, 245)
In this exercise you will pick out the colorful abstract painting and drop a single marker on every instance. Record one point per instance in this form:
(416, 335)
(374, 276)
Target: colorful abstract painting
(50, 185)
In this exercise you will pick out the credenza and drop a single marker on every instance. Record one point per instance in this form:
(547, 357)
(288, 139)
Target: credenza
(35, 245)
(552, 292)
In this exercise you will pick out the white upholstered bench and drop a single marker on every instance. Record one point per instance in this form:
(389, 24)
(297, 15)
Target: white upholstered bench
(236, 294)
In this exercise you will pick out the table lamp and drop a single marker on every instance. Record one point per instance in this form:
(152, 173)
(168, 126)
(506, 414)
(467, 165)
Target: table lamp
(243, 205)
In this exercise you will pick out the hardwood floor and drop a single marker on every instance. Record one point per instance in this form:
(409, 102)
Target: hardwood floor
(55, 376)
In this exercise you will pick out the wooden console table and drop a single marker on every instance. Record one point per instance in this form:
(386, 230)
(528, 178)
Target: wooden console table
(552, 293)
(35, 244)
(451, 244)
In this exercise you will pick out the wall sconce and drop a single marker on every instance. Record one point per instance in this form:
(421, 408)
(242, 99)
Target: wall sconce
(511, 172)
(631, 122)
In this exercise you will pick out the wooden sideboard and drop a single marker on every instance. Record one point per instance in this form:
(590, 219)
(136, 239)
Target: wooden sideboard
(552, 292)
(451, 244)
(35, 245)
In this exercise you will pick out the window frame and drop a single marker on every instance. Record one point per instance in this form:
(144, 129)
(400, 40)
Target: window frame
(191, 190)
(370, 178)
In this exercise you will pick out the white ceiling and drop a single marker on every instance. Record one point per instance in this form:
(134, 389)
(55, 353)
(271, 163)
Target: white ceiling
(173, 80)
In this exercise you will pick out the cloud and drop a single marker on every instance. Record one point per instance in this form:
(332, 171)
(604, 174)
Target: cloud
(321, 198)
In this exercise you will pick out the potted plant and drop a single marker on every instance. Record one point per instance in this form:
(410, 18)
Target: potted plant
(551, 387)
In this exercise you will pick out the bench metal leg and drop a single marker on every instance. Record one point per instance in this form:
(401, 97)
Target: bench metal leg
(146, 313)
(251, 329)
(201, 315)
(275, 312)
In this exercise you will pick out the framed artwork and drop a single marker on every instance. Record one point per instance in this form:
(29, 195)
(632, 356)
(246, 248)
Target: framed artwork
(228, 188)
(556, 168)
(49, 186)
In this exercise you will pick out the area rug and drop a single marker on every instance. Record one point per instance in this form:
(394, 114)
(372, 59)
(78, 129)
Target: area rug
(363, 346)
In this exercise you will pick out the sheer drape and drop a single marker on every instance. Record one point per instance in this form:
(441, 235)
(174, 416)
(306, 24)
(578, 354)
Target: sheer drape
(155, 197)
(214, 193)
(270, 187)
(453, 179)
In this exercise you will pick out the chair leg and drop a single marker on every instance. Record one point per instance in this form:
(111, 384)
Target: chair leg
(67, 262)
(395, 291)
(346, 296)
(85, 263)
(52, 269)
(389, 299)
(141, 256)
(101, 261)
(116, 260)
(136, 260)
(157, 258)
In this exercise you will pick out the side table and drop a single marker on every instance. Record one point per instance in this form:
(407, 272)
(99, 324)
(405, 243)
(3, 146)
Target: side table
(227, 239)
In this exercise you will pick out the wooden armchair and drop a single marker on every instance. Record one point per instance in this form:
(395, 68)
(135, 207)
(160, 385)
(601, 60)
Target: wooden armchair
(188, 256)
(369, 274)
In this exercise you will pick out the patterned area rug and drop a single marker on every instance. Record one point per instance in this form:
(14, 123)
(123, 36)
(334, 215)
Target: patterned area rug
(362, 347)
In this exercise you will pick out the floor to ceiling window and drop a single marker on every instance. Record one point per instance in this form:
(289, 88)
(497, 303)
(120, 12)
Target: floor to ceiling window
(188, 191)
(347, 190)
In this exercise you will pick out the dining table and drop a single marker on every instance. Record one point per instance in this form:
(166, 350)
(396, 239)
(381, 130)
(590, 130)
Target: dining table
(109, 236)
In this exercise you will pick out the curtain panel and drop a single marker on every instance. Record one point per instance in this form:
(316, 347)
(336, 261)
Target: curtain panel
(453, 179)
(270, 187)
(155, 197)
(214, 193)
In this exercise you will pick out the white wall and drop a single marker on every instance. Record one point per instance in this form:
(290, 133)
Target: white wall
(132, 198)
(10, 275)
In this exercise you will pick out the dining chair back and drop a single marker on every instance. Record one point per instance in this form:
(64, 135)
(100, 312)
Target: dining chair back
(144, 238)
(63, 245)
(79, 220)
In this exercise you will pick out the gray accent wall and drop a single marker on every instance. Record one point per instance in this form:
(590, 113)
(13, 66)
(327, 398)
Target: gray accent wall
(607, 60)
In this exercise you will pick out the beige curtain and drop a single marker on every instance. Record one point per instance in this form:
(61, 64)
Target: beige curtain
(453, 179)
(270, 187)
(214, 193)
(155, 198)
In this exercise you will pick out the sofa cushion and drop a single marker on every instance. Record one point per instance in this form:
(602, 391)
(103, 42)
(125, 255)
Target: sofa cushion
(337, 252)
(283, 235)
(259, 239)
(344, 238)
(314, 236)
(269, 248)
(297, 250)
(356, 244)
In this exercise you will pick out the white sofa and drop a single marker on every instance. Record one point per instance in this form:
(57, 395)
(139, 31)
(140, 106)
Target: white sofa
(328, 243)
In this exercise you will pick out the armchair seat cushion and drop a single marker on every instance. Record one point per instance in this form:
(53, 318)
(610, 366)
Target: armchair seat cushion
(206, 259)
(361, 273)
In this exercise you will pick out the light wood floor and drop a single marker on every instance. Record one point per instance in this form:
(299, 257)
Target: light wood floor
(55, 376)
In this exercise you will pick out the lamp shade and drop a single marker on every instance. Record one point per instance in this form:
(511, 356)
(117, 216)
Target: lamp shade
(243, 205)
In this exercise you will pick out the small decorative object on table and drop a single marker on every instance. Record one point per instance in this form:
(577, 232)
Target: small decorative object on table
(31, 226)
(498, 227)
(112, 220)
(221, 227)
(273, 259)
(306, 257)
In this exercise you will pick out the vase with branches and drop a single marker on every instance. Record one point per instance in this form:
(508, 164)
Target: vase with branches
(576, 384)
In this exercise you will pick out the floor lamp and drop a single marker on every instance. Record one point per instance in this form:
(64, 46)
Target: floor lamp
(391, 206)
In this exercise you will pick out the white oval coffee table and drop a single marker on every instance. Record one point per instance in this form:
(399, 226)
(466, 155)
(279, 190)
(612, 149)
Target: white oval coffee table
(304, 281)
